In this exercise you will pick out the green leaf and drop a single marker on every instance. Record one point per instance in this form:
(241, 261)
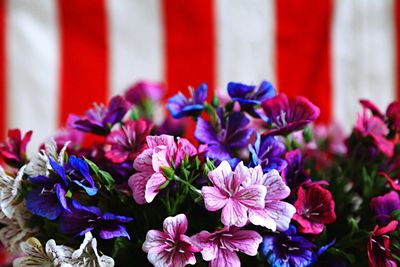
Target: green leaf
(168, 172)
(215, 102)
(102, 176)
(208, 109)
(307, 134)
(396, 214)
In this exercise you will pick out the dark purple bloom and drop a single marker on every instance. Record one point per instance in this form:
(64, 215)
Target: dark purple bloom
(267, 152)
(83, 219)
(171, 126)
(289, 114)
(48, 198)
(13, 151)
(78, 171)
(227, 137)
(180, 106)
(287, 249)
(144, 90)
(383, 206)
(249, 95)
(294, 174)
(100, 118)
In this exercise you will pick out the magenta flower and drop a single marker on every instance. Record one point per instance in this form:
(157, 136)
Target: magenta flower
(375, 128)
(13, 151)
(289, 114)
(228, 194)
(220, 247)
(170, 248)
(162, 152)
(144, 90)
(383, 206)
(127, 141)
(276, 214)
(314, 208)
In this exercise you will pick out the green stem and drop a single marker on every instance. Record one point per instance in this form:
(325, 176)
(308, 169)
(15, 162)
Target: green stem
(194, 189)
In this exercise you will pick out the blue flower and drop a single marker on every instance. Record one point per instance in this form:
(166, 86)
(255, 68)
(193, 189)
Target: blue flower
(225, 138)
(78, 171)
(83, 219)
(287, 249)
(48, 198)
(249, 95)
(267, 151)
(180, 106)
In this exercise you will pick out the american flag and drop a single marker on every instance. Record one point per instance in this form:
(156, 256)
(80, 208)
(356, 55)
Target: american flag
(60, 56)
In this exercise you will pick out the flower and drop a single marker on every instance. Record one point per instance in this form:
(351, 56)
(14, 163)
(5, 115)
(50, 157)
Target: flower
(13, 151)
(144, 90)
(170, 247)
(180, 106)
(249, 95)
(393, 115)
(162, 152)
(82, 219)
(286, 249)
(276, 214)
(220, 247)
(229, 135)
(289, 114)
(378, 248)
(394, 183)
(314, 208)
(267, 151)
(100, 119)
(78, 171)
(10, 187)
(294, 174)
(383, 206)
(228, 194)
(47, 199)
(126, 142)
(374, 128)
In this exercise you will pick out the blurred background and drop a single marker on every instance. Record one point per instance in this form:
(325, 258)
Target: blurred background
(57, 57)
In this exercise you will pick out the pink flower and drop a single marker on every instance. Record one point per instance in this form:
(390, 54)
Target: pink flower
(378, 248)
(221, 246)
(13, 151)
(170, 247)
(126, 142)
(276, 214)
(162, 151)
(229, 195)
(314, 208)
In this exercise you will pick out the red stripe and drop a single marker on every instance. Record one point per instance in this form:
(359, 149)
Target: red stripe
(3, 96)
(397, 33)
(303, 31)
(189, 44)
(84, 58)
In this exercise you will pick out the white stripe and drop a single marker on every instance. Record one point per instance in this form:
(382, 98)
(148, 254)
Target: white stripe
(363, 49)
(245, 41)
(32, 67)
(136, 42)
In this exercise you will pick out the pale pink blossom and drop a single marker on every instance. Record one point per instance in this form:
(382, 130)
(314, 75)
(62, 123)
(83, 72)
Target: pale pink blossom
(170, 247)
(228, 194)
(220, 247)
(276, 214)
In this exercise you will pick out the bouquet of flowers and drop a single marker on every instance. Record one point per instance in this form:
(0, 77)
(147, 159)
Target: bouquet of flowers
(252, 183)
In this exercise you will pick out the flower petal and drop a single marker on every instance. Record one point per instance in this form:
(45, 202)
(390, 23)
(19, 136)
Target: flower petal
(175, 226)
(234, 213)
(153, 186)
(214, 199)
(137, 183)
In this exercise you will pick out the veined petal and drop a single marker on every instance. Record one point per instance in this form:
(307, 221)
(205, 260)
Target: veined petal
(234, 213)
(225, 257)
(153, 186)
(154, 239)
(137, 183)
(245, 241)
(143, 162)
(221, 176)
(276, 188)
(214, 199)
(175, 226)
(252, 196)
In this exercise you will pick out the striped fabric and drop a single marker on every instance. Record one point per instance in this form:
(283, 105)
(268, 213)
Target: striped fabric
(59, 56)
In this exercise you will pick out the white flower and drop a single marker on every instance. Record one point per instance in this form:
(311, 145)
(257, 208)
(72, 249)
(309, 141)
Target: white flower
(88, 256)
(35, 255)
(39, 164)
(9, 188)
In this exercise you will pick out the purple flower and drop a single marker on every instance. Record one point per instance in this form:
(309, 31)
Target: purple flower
(127, 141)
(249, 95)
(294, 174)
(180, 106)
(170, 248)
(267, 151)
(47, 199)
(228, 194)
(227, 137)
(78, 171)
(286, 249)
(220, 247)
(144, 90)
(383, 206)
(276, 214)
(13, 151)
(289, 114)
(100, 119)
(82, 219)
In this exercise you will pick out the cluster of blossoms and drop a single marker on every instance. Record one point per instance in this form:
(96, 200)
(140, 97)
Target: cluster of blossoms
(256, 182)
